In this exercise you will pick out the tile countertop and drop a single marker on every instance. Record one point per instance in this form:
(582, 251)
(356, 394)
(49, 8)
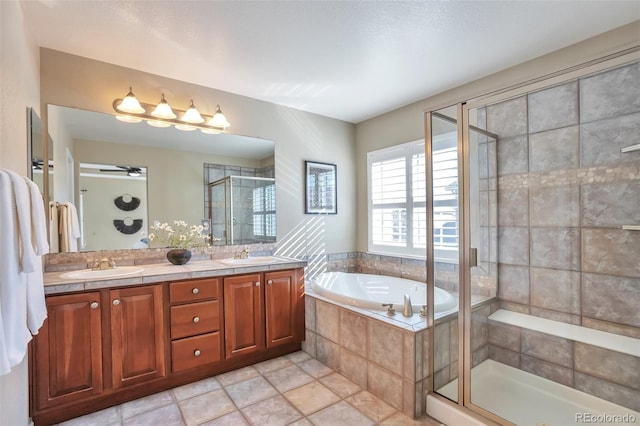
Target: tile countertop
(162, 272)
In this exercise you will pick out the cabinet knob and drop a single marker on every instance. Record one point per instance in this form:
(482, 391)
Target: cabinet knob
(195, 291)
(116, 302)
(94, 305)
(196, 319)
(270, 282)
(196, 353)
(257, 283)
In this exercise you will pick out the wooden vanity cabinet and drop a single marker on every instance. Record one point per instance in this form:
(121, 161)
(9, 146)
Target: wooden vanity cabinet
(243, 315)
(68, 350)
(196, 323)
(105, 347)
(263, 310)
(137, 335)
(284, 307)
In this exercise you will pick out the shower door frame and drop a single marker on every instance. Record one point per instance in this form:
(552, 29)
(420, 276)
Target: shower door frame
(464, 316)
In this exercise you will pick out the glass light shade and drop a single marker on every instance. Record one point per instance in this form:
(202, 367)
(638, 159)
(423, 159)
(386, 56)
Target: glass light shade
(130, 104)
(128, 119)
(158, 123)
(185, 127)
(133, 174)
(219, 120)
(163, 110)
(210, 131)
(192, 115)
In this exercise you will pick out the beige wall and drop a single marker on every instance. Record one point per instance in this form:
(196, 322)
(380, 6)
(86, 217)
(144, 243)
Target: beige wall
(407, 124)
(83, 83)
(19, 89)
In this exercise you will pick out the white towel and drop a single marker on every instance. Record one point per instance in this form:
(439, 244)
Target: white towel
(22, 202)
(54, 230)
(36, 305)
(38, 219)
(69, 227)
(14, 335)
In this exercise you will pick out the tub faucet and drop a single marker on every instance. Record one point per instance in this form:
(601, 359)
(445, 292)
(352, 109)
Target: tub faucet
(390, 310)
(408, 309)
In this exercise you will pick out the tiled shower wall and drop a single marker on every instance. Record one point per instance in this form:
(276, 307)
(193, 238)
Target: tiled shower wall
(564, 192)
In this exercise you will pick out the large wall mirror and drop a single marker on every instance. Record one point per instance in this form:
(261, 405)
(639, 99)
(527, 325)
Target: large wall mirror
(123, 177)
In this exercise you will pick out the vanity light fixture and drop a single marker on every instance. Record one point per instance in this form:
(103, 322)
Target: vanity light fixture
(218, 119)
(162, 115)
(130, 104)
(192, 115)
(163, 110)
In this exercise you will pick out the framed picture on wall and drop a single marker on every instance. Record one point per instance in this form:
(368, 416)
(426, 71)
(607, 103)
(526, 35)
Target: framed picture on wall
(321, 188)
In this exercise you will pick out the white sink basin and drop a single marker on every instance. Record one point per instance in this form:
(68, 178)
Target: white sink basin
(85, 274)
(258, 260)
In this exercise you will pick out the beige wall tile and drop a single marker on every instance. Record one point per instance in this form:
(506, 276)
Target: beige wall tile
(557, 248)
(609, 391)
(611, 251)
(328, 321)
(546, 347)
(385, 385)
(555, 206)
(553, 107)
(613, 366)
(547, 370)
(504, 356)
(353, 332)
(555, 289)
(354, 367)
(385, 346)
(611, 298)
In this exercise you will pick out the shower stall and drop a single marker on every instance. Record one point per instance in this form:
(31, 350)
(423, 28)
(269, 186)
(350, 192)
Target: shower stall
(242, 210)
(535, 218)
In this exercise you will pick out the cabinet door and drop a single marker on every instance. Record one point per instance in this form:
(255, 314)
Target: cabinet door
(138, 343)
(243, 315)
(68, 350)
(284, 307)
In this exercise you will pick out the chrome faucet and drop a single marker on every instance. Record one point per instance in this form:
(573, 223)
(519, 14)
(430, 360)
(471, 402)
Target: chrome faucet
(104, 263)
(244, 254)
(407, 311)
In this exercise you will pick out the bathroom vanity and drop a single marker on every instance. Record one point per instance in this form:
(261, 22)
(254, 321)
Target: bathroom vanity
(109, 341)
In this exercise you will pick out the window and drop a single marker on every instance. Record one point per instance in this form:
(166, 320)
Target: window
(397, 199)
(264, 211)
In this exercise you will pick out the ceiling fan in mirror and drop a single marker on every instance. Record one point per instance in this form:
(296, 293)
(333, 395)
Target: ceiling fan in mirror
(130, 171)
(36, 164)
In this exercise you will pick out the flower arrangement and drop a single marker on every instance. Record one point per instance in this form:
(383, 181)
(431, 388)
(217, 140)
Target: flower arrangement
(179, 235)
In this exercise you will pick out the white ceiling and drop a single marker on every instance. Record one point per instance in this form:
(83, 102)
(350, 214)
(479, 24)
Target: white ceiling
(350, 60)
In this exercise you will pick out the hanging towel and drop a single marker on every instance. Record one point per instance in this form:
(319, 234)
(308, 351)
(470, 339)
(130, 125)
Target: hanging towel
(36, 305)
(38, 219)
(69, 227)
(14, 335)
(22, 203)
(54, 230)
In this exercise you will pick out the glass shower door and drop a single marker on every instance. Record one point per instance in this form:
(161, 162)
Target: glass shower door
(443, 251)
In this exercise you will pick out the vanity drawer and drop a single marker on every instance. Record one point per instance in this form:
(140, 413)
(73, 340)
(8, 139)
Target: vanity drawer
(195, 351)
(194, 290)
(195, 318)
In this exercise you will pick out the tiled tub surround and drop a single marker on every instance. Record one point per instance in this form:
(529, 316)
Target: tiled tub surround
(389, 356)
(378, 353)
(599, 363)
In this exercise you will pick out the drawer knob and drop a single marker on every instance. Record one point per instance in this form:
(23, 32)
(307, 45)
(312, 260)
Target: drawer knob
(270, 282)
(196, 353)
(116, 302)
(257, 283)
(195, 291)
(94, 305)
(196, 319)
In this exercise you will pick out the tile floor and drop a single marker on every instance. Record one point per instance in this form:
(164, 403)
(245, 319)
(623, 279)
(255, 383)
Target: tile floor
(294, 389)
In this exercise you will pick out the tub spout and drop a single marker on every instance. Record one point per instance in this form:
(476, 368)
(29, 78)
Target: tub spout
(408, 310)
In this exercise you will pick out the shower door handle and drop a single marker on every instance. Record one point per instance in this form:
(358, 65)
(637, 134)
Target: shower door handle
(473, 257)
